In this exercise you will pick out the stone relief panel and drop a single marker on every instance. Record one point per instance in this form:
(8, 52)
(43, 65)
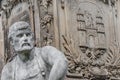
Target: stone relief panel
(84, 41)
(85, 44)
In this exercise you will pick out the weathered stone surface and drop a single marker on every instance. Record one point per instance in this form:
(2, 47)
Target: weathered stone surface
(29, 62)
(87, 31)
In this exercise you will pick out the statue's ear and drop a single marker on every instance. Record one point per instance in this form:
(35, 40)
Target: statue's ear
(11, 41)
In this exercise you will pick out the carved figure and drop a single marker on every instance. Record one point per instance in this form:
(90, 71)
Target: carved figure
(32, 63)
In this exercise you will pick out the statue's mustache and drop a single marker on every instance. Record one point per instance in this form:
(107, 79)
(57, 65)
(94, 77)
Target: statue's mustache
(25, 44)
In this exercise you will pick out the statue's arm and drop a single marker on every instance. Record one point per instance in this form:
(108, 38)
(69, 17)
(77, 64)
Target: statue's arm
(57, 61)
(6, 73)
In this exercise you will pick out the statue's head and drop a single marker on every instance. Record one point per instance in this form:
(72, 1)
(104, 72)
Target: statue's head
(21, 36)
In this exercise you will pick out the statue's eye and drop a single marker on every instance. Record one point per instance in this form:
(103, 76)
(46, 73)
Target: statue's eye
(19, 35)
(28, 34)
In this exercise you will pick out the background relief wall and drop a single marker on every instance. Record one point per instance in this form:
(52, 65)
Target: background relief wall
(87, 31)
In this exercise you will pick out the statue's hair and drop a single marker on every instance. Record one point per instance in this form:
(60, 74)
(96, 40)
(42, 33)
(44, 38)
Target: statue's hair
(20, 25)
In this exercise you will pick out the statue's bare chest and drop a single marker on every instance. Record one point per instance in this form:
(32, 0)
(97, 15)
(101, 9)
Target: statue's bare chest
(29, 71)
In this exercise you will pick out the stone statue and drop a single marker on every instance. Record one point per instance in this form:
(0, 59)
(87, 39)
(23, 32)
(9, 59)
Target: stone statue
(32, 63)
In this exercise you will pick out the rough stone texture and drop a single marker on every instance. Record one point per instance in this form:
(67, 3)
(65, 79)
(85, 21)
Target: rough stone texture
(1, 44)
(87, 37)
(86, 30)
(29, 62)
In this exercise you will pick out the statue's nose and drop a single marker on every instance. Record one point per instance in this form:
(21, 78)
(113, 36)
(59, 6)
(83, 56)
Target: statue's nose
(25, 38)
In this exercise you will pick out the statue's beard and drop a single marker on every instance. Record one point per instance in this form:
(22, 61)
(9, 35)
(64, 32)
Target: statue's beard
(24, 47)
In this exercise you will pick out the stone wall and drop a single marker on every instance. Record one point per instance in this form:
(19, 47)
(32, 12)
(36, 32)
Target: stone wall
(87, 31)
(1, 43)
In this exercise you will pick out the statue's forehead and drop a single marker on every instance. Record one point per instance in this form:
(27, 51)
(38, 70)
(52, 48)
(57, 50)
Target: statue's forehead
(23, 31)
(19, 26)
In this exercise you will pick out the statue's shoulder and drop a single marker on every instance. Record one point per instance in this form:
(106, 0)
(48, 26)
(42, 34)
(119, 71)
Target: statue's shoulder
(48, 48)
(44, 49)
(8, 70)
(9, 66)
